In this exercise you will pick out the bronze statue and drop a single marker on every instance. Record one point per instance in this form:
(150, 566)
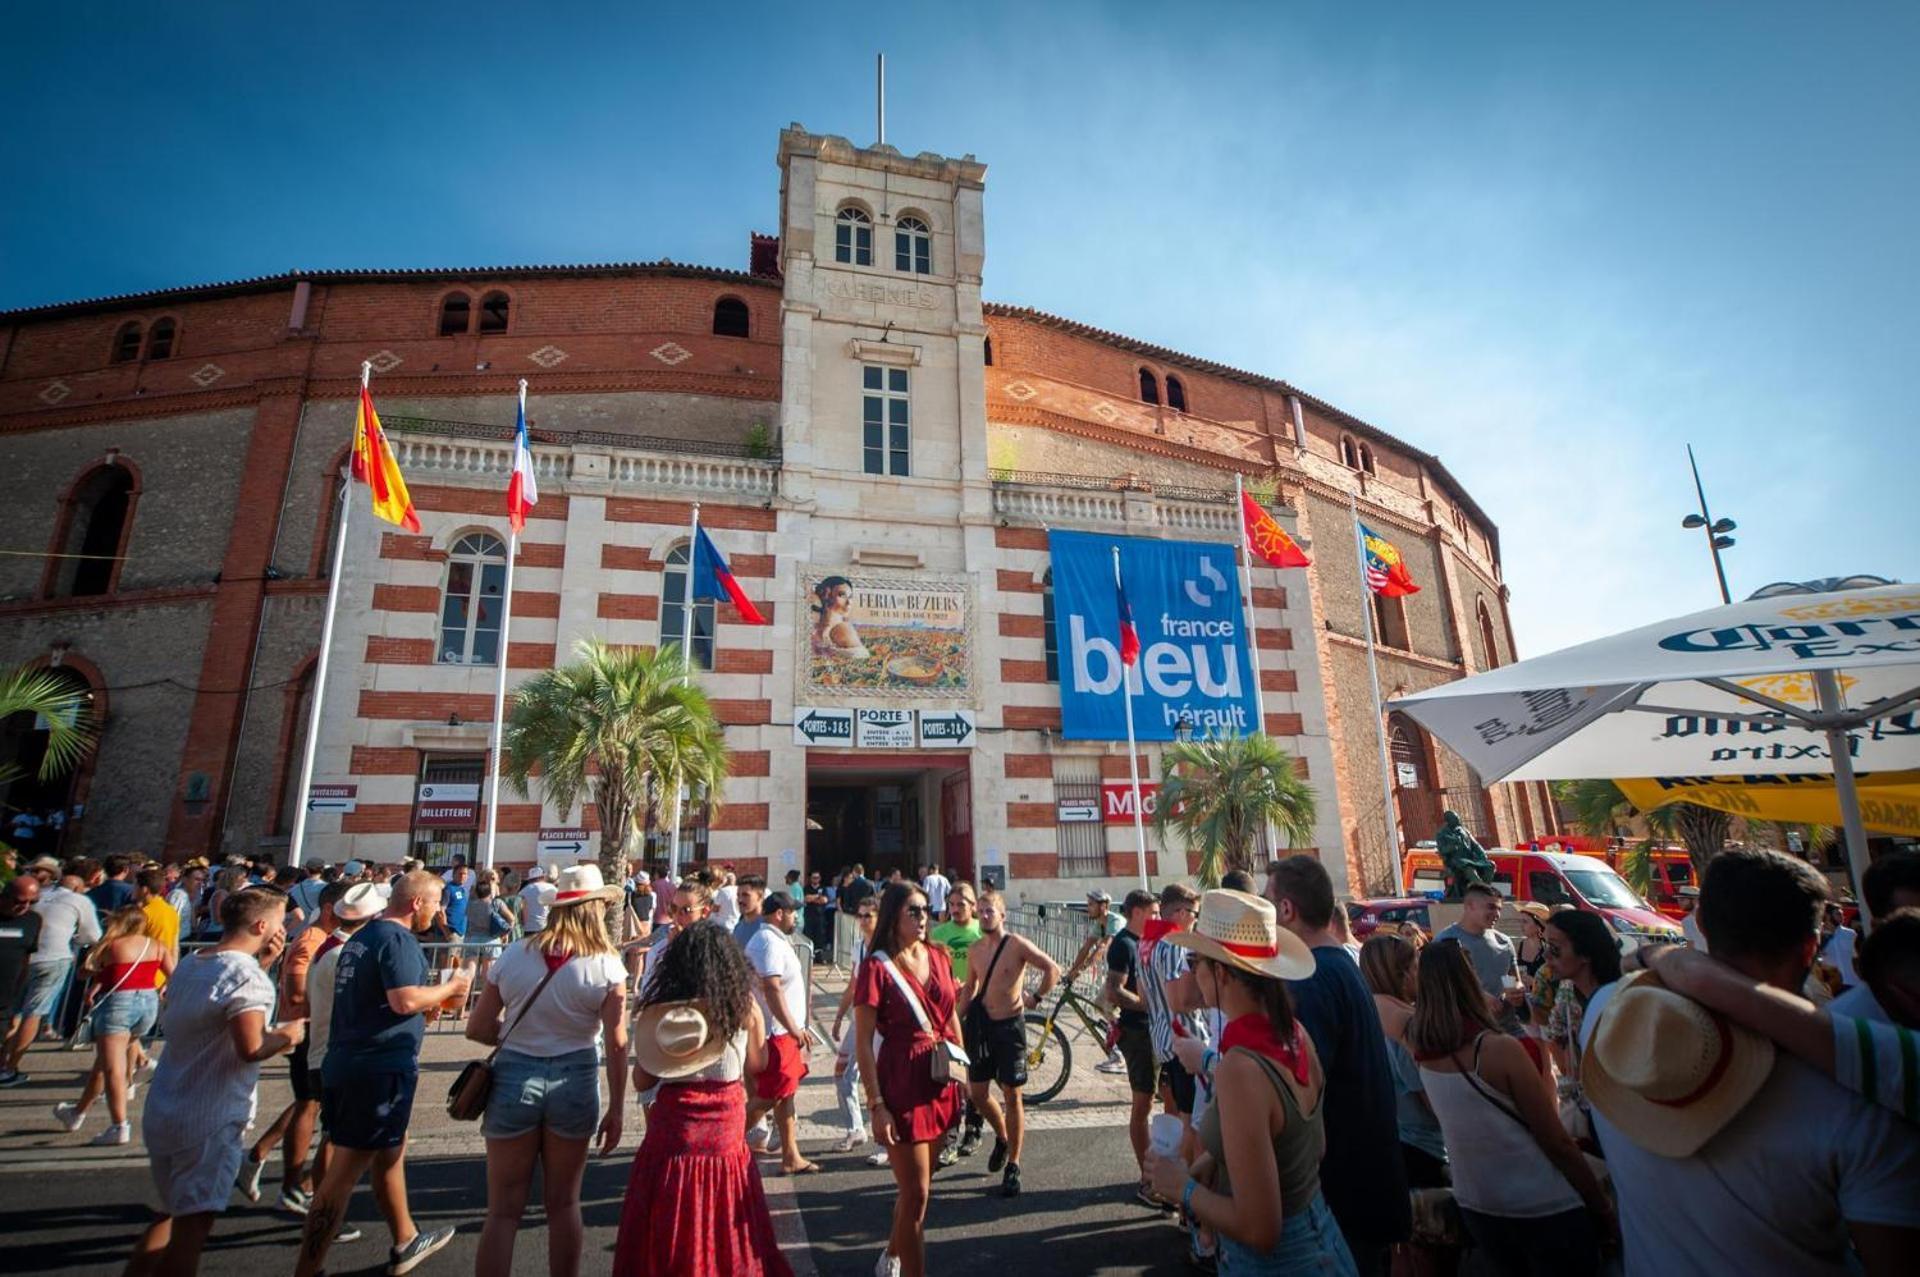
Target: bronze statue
(1466, 863)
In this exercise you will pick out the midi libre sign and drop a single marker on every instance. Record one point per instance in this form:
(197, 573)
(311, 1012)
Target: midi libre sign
(1195, 668)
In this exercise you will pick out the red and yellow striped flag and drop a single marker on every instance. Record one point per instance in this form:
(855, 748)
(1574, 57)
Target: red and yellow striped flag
(373, 465)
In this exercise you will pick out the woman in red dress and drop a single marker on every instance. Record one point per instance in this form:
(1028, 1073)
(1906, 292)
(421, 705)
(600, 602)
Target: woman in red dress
(695, 1206)
(910, 1110)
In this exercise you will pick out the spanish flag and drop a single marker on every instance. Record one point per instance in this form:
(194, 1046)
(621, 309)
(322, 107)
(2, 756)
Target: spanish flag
(373, 465)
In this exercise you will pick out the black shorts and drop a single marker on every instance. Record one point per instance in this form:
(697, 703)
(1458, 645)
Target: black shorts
(370, 1111)
(996, 1050)
(1136, 1048)
(304, 1091)
(1180, 1082)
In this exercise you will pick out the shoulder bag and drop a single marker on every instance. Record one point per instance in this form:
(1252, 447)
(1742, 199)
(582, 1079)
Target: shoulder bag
(82, 1037)
(949, 1060)
(467, 1097)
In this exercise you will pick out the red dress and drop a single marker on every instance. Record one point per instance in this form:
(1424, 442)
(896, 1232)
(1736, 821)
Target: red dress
(922, 1110)
(695, 1206)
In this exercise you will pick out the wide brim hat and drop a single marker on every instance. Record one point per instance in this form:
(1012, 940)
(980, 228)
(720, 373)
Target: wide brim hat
(675, 1040)
(580, 884)
(363, 900)
(1534, 909)
(47, 863)
(1242, 931)
(1668, 1072)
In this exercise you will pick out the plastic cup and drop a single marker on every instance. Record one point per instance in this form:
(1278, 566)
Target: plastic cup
(1163, 1133)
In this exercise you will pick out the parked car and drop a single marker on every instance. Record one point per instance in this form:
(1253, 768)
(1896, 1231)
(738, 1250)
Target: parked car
(1364, 917)
(1554, 879)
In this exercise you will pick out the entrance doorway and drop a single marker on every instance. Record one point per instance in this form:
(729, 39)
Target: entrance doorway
(1416, 796)
(38, 814)
(897, 812)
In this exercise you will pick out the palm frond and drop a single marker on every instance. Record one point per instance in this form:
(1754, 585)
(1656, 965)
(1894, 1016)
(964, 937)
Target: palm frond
(1218, 793)
(66, 710)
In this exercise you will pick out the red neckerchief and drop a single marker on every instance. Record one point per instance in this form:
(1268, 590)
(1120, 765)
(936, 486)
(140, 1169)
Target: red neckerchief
(557, 960)
(1156, 927)
(1255, 1032)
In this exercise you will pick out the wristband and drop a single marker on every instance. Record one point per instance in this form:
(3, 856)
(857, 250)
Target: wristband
(1186, 1198)
(1207, 1058)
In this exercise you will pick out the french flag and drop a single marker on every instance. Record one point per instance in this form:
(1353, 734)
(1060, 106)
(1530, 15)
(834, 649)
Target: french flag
(1129, 637)
(522, 493)
(713, 579)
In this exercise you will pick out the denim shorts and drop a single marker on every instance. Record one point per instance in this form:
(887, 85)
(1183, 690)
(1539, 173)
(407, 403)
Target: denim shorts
(560, 1093)
(46, 981)
(131, 1011)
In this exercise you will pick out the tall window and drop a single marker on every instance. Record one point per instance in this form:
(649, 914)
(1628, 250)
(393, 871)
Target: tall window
(986, 345)
(853, 237)
(885, 421)
(160, 340)
(1176, 394)
(456, 312)
(1349, 453)
(493, 313)
(1492, 649)
(126, 343)
(1082, 844)
(912, 246)
(299, 712)
(1390, 621)
(95, 528)
(1149, 386)
(1049, 637)
(470, 612)
(730, 317)
(1366, 459)
(673, 609)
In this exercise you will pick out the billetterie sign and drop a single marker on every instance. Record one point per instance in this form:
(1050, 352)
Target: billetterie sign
(1194, 669)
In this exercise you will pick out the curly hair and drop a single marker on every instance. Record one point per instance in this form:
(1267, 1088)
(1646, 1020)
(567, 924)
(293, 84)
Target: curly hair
(703, 964)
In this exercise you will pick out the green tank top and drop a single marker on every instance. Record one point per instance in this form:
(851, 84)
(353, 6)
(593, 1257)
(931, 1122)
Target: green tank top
(1296, 1150)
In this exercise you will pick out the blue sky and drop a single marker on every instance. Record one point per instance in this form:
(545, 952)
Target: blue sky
(1549, 246)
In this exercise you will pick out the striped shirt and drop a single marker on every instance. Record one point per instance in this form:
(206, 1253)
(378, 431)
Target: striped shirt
(203, 1086)
(1165, 964)
(1879, 1060)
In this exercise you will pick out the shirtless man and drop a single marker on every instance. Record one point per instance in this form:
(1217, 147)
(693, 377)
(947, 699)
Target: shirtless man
(992, 1004)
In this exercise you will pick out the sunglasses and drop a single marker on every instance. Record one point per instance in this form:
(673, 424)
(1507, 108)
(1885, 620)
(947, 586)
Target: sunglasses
(916, 911)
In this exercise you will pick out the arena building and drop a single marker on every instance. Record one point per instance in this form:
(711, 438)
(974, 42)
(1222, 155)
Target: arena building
(849, 415)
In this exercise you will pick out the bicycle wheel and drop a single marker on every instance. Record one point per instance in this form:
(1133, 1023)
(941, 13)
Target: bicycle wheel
(1049, 1059)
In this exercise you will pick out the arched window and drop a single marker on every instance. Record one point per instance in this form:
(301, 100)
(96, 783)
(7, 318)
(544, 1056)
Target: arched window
(126, 342)
(1149, 386)
(299, 710)
(853, 237)
(987, 346)
(456, 313)
(673, 604)
(912, 246)
(730, 317)
(1349, 453)
(493, 312)
(470, 609)
(1176, 394)
(160, 339)
(1487, 642)
(1048, 635)
(94, 527)
(1366, 459)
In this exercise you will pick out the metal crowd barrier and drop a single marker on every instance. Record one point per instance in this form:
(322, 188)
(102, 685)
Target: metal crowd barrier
(1060, 931)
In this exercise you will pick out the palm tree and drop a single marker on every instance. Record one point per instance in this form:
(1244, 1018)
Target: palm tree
(65, 707)
(1218, 794)
(603, 727)
(1598, 807)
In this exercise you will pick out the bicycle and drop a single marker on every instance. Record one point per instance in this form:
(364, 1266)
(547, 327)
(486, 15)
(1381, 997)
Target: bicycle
(1047, 1042)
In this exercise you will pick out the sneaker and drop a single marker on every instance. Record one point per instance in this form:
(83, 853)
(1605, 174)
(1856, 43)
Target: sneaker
(949, 1154)
(878, 1158)
(1010, 1182)
(348, 1233)
(248, 1180)
(886, 1266)
(116, 1133)
(133, 1089)
(969, 1143)
(13, 1077)
(1110, 1066)
(69, 1115)
(1147, 1197)
(404, 1259)
(774, 1144)
(850, 1141)
(294, 1202)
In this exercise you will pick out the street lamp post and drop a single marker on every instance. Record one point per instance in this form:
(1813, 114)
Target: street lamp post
(1716, 529)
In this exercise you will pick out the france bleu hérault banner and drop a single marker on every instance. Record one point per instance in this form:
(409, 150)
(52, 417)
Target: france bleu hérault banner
(1194, 664)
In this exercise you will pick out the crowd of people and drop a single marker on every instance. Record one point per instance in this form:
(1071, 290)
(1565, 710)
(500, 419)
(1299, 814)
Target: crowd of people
(1300, 1102)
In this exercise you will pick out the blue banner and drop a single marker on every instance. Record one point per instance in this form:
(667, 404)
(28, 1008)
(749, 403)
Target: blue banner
(1194, 663)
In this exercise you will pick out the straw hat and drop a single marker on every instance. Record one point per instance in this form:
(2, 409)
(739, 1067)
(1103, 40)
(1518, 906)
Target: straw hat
(363, 900)
(1667, 1071)
(675, 1040)
(1241, 931)
(578, 884)
(1535, 910)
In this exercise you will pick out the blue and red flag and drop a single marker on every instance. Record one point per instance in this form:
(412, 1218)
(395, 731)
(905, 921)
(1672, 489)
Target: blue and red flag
(1387, 573)
(1129, 637)
(713, 579)
(522, 493)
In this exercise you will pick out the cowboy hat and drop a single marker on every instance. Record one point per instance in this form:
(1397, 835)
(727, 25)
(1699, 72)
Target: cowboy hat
(577, 884)
(1535, 910)
(1241, 931)
(675, 1040)
(47, 863)
(1667, 1071)
(363, 900)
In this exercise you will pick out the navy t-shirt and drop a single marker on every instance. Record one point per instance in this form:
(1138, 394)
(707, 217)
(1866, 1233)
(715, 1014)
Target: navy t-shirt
(453, 898)
(114, 893)
(1123, 958)
(1366, 1191)
(365, 1035)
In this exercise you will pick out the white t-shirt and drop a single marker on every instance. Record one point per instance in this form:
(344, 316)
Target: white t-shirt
(771, 953)
(320, 983)
(1839, 952)
(66, 918)
(726, 906)
(536, 898)
(1773, 1190)
(1690, 928)
(936, 886)
(202, 1085)
(567, 1016)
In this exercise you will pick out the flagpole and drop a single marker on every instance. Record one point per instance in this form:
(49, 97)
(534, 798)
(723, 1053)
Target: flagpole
(1253, 635)
(500, 681)
(299, 840)
(686, 655)
(1379, 714)
(1133, 753)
